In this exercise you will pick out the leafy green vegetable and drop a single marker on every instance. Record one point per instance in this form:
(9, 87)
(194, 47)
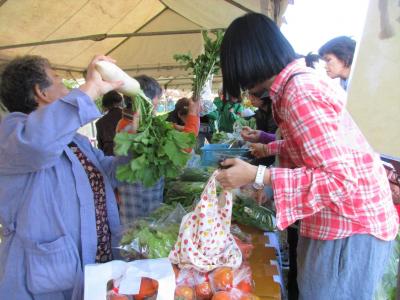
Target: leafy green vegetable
(157, 149)
(249, 123)
(205, 64)
(219, 137)
(183, 192)
(247, 212)
(147, 240)
(196, 174)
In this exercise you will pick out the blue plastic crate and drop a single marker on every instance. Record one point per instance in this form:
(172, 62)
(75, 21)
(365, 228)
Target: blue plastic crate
(211, 154)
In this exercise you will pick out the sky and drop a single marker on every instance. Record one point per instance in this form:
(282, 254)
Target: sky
(311, 23)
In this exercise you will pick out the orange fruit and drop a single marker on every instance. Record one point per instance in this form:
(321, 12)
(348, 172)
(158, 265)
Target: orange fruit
(148, 287)
(203, 291)
(223, 279)
(221, 295)
(184, 292)
(245, 286)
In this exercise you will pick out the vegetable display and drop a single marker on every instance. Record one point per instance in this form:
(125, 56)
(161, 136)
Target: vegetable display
(147, 240)
(157, 149)
(247, 212)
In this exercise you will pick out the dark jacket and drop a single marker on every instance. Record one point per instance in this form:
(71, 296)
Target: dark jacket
(106, 130)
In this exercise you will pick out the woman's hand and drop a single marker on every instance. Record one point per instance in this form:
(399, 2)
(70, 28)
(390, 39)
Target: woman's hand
(258, 150)
(250, 135)
(194, 107)
(239, 173)
(95, 86)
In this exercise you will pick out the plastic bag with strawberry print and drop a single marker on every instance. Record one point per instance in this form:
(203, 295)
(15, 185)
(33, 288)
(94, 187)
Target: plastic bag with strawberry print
(205, 242)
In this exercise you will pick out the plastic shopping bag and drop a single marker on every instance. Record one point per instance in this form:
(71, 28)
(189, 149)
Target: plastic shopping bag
(205, 241)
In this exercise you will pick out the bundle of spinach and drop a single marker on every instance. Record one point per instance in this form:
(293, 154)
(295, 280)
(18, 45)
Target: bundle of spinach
(206, 64)
(157, 149)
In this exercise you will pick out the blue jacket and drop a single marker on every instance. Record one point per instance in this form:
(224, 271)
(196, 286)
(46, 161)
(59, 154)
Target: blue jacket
(46, 203)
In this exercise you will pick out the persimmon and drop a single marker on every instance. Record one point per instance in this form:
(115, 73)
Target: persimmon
(221, 295)
(245, 286)
(148, 287)
(203, 291)
(184, 292)
(223, 279)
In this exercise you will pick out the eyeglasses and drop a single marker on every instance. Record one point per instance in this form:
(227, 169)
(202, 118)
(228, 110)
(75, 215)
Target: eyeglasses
(260, 94)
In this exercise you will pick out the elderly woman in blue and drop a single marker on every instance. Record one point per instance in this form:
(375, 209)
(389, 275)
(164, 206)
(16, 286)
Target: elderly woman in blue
(57, 207)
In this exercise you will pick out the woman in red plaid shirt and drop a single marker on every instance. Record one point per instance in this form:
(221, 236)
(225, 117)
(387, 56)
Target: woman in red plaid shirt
(328, 176)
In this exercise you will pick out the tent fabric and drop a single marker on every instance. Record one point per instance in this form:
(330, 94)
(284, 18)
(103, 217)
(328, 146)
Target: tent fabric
(131, 31)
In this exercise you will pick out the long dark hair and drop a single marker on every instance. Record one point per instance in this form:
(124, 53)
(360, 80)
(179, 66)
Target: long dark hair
(253, 50)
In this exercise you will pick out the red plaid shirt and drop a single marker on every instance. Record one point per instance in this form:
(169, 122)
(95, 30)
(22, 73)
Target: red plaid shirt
(329, 177)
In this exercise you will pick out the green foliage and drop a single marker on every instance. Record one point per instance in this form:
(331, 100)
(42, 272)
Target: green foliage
(70, 83)
(247, 212)
(206, 64)
(147, 240)
(157, 149)
(249, 123)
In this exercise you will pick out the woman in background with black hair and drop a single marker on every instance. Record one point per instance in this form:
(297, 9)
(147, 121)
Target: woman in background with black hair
(338, 54)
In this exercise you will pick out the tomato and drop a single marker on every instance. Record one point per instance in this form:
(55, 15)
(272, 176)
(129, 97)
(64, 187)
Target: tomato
(148, 287)
(245, 286)
(184, 292)
(221, 295)
(203, 291)
(223, 279)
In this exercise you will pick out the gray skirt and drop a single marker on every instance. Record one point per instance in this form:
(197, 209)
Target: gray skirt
(343, 269)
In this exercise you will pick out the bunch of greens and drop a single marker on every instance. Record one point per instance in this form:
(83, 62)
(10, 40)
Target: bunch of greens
(188, 186)
(206, 64)
(147, 240)
(219, 137)
(241, 122)
(183, 192)
(157, 149)
(247, 212)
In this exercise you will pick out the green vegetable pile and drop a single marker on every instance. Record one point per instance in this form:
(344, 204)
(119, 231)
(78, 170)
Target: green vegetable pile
(149, 240)
(154, 236)
(157, 149)
(247, 212)
(188, 188)
(219, 137)
(249, 123)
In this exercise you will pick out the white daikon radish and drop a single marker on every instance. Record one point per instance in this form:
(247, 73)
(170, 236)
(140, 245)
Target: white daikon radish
(112, 72)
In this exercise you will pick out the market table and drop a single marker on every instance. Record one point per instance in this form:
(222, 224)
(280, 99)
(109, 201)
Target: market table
(260, 262)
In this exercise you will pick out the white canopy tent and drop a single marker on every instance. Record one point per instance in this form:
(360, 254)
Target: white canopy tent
(142, 35)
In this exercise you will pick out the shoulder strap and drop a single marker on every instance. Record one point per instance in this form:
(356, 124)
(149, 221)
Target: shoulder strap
(291, 77)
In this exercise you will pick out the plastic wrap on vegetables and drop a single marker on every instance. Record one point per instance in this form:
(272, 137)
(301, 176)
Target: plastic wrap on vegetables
(247, 212)
(152, 237)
